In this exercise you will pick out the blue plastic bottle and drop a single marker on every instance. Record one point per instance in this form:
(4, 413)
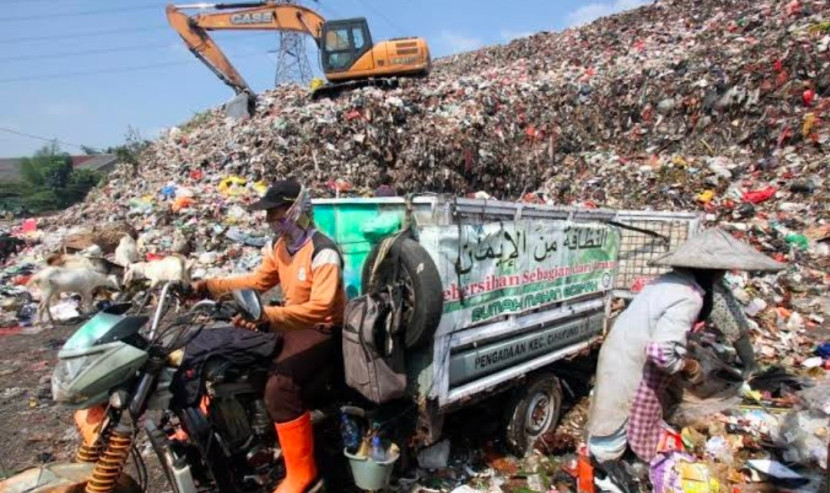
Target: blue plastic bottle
(378, 453)
(350, 432)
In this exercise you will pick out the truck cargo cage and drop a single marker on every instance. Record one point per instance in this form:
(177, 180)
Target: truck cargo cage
(650, 235)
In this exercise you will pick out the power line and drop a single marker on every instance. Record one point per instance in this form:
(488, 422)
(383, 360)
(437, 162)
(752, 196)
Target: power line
(84, 53)
(77, 14)
(328, 8)
(9, 2)
(114, 70)
(383, 16)
(144, 47)
(82, 34)
(38, 137)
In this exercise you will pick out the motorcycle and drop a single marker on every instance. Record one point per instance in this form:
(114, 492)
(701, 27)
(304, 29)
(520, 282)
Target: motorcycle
(121, 377)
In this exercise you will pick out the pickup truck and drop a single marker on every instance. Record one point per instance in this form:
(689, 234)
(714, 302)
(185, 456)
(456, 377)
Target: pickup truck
(498, 292)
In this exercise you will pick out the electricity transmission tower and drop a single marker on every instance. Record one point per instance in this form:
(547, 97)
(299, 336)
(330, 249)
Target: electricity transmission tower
(292, 58)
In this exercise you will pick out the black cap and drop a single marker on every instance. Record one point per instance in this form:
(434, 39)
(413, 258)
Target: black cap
(283, 192)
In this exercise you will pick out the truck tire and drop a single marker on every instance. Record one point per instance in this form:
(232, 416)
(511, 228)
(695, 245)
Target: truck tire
(533, 410)
(424, 292)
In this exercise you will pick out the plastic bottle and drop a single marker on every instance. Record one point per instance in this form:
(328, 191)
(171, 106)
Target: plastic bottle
(350, 432)
(378, 453)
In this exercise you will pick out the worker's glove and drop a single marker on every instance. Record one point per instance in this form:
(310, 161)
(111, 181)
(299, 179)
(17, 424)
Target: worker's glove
(240, 321)
(692, 371)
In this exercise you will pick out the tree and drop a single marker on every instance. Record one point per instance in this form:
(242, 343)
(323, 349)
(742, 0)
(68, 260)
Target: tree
(48, 167)
(49, 182)
(130, 151)
(90, 151)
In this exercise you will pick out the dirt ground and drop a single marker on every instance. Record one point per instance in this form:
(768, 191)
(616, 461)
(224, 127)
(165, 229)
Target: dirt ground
(33, 429)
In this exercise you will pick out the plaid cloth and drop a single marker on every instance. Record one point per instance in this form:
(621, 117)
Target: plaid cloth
(645, 420)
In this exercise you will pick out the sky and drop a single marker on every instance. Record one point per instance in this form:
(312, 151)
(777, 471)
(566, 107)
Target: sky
(85, 71)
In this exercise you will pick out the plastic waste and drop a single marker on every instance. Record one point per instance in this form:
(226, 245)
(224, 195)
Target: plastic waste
(181, 203)
(678, 472)
(378, 453)
(585, 472)
(65, 310)
(350, 432)
(759, 196)
(26, 314)
(801, 435)
(436, 456)
(232, 185)
(706, 196)
(718, 449)
(755, 307)
(798, 240)
(168, 192)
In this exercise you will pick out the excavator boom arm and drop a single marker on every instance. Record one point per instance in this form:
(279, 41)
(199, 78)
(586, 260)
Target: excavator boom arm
(249, 17)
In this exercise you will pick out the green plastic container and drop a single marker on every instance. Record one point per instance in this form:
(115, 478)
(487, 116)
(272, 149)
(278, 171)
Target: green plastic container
(368, 474)
(357, 225)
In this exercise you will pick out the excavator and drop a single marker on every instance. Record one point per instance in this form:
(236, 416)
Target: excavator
(348, 56)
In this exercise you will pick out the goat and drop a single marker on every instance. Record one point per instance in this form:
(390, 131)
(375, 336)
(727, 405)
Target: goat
(127, 251)
(10, 245)
(75, 261)
(172, 268)
(53, 281)
(92, 251)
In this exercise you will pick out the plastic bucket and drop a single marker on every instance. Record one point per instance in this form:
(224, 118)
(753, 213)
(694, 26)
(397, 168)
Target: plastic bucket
(368, 474)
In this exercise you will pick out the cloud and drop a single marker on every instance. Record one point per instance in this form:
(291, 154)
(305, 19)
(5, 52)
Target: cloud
(593, 11)
(457, 42)
(510, 35)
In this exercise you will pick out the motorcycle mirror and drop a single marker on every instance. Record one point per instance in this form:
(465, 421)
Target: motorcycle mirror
(249, 302)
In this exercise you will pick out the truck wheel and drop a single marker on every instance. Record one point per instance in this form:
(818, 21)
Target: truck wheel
(533, 411)
(423, 291)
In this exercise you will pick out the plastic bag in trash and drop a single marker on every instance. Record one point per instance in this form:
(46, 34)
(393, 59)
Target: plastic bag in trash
(436, 456)
(804, 438)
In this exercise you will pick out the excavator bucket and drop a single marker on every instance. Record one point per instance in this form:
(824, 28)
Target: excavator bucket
(243, 105)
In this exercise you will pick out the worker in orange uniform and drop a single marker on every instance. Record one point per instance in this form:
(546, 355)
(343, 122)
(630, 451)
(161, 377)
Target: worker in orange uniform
(307, 265)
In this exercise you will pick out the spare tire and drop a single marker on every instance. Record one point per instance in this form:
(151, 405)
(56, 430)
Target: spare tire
(423, 290)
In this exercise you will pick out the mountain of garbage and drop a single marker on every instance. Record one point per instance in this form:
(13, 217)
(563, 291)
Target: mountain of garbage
(681, 105)
(716, 106)
(709, 105)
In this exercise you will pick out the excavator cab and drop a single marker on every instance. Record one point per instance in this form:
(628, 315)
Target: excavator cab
(343, 43)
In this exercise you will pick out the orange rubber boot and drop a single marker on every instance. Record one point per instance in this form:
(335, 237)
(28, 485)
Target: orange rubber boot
(297, 444)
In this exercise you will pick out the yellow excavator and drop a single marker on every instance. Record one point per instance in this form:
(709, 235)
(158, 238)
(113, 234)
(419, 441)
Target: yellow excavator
(348, 55)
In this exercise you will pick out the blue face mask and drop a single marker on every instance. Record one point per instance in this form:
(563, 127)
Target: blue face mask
(276, 228)
(294, 235)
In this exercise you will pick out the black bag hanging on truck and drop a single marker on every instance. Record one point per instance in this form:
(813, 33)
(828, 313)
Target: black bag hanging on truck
(372, 350)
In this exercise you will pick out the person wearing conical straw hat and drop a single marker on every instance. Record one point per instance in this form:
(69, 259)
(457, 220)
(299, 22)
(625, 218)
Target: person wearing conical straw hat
(647, 344)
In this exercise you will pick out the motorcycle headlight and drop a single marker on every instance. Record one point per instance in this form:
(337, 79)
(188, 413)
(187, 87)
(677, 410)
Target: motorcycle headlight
(65, 374)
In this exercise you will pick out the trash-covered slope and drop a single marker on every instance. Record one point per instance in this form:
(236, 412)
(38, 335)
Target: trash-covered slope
(697, 105)
(679, 83)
